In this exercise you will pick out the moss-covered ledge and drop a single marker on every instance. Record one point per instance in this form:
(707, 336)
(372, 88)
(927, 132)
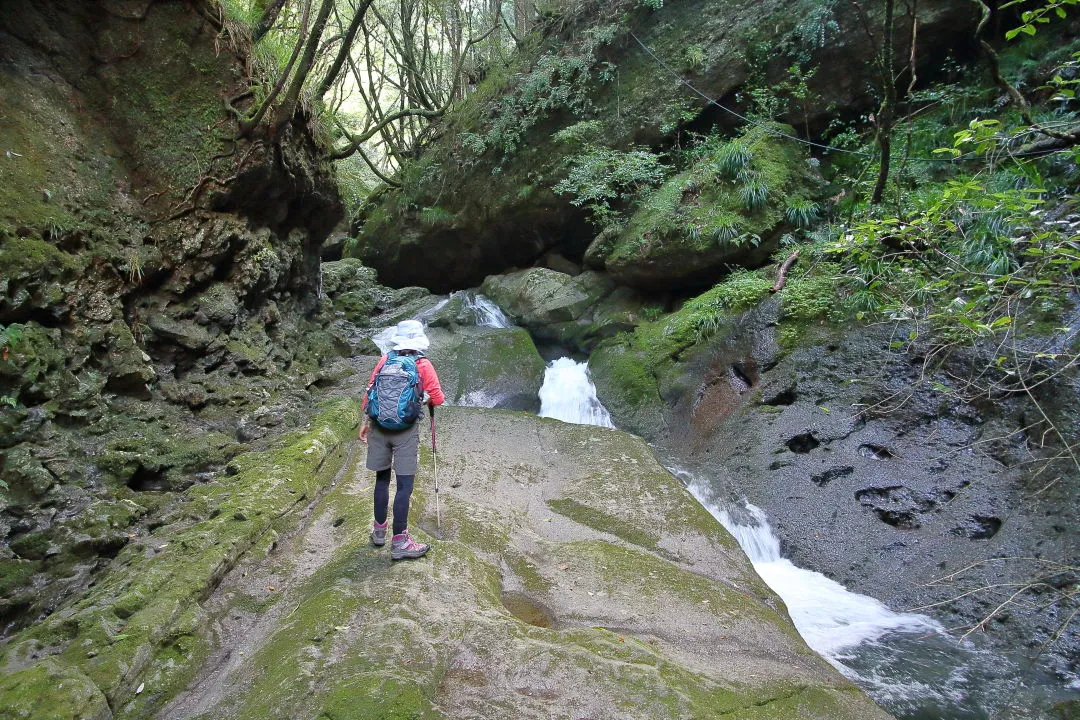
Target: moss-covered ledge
(140, 633)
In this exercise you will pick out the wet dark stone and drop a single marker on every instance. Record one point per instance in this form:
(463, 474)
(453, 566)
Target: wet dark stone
(905, 520)
(108, 545)
(787, 396)
(803, 443)
(895, 505)
(979, 527)
(145, 479)
(742, 378)
(823, 479)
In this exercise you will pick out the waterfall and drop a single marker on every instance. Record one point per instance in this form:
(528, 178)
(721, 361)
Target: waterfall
(485, 312)
(569, 395)
(488, 314)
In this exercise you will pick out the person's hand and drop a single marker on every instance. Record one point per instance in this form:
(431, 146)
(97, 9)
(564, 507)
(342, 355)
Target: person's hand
(364, 428)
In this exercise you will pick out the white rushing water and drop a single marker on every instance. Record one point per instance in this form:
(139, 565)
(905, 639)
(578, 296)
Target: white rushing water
(569, 395)
(830, 617)
(484, 313)
(488, 314)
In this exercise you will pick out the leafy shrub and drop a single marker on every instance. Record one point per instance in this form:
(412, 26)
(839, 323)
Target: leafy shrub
(581, 134)
(600, 176)
(557, 82)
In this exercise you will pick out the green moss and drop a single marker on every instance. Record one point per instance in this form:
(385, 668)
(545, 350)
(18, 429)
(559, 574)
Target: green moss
(31, 546)
(14, 574)
(526, 571)
(379, 699)
(512, 351)
(167, 117)
(624, 368)
(602, 522)
(174, 455)
(146, 609)
(20, 255)
(48, 691)
(731, 197)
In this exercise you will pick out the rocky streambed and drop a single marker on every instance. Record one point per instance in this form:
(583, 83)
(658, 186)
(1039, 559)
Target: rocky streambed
(571, 576)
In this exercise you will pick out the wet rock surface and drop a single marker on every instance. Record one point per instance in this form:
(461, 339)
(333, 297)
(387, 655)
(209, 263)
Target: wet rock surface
(874, 473)
(552, 590)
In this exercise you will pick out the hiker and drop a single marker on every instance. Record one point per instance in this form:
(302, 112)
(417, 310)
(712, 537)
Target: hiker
(402, 381)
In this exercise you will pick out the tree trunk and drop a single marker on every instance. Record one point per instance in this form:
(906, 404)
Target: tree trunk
(288, 106)
(344, 50)
(885, 112)
(269, 17)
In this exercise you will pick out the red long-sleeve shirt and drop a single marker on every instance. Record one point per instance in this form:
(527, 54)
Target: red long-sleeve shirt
(429, 380)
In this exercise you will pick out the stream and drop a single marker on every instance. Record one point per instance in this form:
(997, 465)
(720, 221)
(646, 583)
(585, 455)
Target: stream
(906, 662)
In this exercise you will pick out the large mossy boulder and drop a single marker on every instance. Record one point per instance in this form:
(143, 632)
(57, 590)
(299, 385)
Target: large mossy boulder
(488, 367)
(352, 289)
(539, 297)
(577, 311)
(482, 197)
(727, 209)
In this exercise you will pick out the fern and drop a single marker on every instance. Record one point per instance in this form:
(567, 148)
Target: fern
(754, 193)
(801, 213)
(732, 159)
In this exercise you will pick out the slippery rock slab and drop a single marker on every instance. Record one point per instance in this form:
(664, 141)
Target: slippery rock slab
(571, 576)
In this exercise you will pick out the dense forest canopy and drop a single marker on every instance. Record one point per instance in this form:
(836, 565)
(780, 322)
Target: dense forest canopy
(378, 73)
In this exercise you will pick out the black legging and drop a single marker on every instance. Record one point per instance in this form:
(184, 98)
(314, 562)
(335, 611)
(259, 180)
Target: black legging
(401, 499)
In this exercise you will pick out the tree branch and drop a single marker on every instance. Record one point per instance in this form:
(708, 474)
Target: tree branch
(781, 277)
(344, 50)
(269, 17)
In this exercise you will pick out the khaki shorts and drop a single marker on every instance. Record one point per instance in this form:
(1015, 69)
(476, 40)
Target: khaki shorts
(400, 448)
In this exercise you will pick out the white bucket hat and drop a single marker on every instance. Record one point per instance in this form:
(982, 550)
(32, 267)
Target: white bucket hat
(409, 335)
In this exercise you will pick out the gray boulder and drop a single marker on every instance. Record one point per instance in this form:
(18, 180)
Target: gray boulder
(488, 367)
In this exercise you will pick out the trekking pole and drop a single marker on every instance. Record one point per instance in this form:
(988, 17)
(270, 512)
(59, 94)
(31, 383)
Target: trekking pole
(435, 459)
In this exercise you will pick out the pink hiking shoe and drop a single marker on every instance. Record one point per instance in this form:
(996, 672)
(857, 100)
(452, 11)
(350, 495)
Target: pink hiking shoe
(403, 547)
(378, 534)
